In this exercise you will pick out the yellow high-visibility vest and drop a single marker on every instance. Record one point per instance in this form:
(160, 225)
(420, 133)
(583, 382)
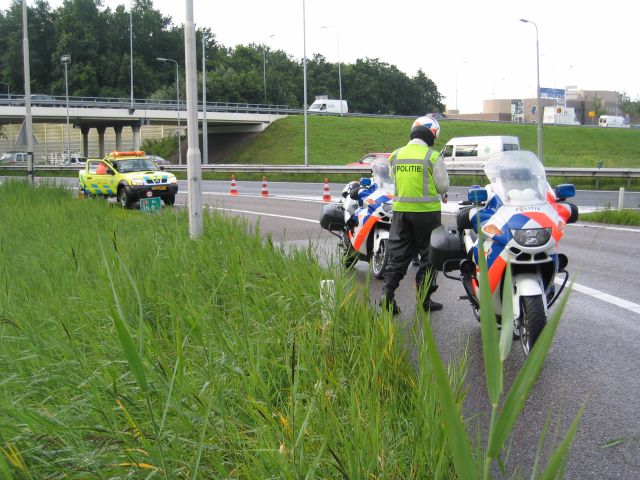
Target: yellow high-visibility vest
(412, 169)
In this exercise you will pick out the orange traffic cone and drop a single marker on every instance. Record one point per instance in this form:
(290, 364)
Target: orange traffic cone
(326, 196)
(233, 190)
(264, 192)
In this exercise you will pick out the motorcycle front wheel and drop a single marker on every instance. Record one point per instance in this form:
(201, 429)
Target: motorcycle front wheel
(380, 259)
(532, 320)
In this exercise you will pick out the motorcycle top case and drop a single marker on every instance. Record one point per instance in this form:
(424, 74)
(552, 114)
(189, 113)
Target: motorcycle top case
(445, 245)
(332, 217)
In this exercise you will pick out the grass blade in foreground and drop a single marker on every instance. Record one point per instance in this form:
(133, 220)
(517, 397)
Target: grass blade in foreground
(519, 391)
(558, 459)
(506, 331)
(453, 424)
(489, 331)
(126, 340)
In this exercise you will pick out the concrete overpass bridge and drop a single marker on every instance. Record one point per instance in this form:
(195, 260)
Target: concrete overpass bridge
(101, 114)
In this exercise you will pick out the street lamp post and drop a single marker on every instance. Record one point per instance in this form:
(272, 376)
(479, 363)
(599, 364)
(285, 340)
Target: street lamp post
(205, 138)
(538, 109)
(304, 74)
(264, 69)
(66, 60)
(194, 167)
(10, 132)
(178, 99)
(28, 118)
(131, 56)
(461, 63)
(339, 70)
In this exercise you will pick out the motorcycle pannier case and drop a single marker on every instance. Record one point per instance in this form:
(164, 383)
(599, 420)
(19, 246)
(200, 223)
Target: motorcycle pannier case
(445, 245)
(332, 217)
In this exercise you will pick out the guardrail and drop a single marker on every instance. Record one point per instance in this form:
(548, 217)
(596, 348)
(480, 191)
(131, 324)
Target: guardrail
(625, 173)
(144, 104)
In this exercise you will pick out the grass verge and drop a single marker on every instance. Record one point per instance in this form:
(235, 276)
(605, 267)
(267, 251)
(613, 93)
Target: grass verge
(131, 351)
(622, 217)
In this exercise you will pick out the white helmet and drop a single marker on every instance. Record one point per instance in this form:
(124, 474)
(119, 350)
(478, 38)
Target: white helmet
(424, 128)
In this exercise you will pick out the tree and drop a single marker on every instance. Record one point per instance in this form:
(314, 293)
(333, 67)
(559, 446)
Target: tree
(429, 98)
(41, 31)
(97, 39)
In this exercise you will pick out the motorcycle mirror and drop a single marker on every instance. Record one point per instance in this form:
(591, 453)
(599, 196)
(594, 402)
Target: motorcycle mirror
(365, 182)
(477, 195)
(566, 190)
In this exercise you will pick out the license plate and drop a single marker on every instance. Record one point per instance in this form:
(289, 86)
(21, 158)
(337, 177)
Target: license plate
(159, 188)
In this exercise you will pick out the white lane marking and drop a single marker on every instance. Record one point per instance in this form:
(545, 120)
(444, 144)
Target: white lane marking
(605, 297)
(301, 198)
(264, 214)
(619, 229)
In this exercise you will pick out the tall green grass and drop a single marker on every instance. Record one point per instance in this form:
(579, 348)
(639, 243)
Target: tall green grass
(132, 351)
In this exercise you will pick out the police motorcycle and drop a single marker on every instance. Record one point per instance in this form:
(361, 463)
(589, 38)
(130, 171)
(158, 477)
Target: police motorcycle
(522, 220)
(362, 219)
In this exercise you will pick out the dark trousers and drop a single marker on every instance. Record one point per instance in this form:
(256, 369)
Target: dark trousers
(410, 234)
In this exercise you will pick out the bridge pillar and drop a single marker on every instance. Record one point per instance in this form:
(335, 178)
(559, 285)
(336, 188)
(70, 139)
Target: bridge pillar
(101, 131)
(136, 136)
(118, 130)
(85, 140)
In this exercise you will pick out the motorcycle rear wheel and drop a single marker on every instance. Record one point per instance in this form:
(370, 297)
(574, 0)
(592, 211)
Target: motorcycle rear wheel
(380, 259)
(532, 320)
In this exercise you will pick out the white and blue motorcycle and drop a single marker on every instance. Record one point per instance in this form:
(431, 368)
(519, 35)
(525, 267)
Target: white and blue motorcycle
(522, 220)
(362, 219)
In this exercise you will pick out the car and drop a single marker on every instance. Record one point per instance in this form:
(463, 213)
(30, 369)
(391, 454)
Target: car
(11, 158)
(75, 159)
(366, 160)
(128, 176)
(159, 160)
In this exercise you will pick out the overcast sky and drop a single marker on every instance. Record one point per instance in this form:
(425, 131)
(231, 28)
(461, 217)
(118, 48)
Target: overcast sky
(473, 50)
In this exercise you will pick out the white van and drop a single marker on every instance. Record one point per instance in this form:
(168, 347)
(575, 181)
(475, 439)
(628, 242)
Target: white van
(476, 150)
(560, 115)
(613, 121)
(323, 104)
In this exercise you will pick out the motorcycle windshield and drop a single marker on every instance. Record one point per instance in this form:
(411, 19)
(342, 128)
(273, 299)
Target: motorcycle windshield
(518, 177)
(381, 172)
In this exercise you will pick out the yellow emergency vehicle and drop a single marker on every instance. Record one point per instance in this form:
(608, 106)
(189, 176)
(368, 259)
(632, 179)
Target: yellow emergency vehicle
(129, 176)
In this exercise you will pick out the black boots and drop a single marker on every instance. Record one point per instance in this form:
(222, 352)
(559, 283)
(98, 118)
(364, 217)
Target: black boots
(431, 306)
(388, 302)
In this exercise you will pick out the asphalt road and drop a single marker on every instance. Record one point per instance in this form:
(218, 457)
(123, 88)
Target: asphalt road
(593, 361)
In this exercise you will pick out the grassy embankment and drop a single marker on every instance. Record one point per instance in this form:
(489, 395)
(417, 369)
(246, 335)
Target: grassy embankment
(129, 349)
(337, 141)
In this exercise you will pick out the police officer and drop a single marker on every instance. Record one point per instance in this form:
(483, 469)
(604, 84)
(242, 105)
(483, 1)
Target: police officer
(421, 181)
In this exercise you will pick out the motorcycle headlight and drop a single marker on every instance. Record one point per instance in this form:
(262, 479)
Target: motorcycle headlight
(532, 237)
(387, 208)
(172, 180)
(137, 181)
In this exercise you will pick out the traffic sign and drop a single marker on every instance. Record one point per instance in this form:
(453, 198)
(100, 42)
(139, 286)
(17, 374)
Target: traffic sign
(150, 204)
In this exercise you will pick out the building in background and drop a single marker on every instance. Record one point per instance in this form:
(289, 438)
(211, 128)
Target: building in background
(588, 106)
